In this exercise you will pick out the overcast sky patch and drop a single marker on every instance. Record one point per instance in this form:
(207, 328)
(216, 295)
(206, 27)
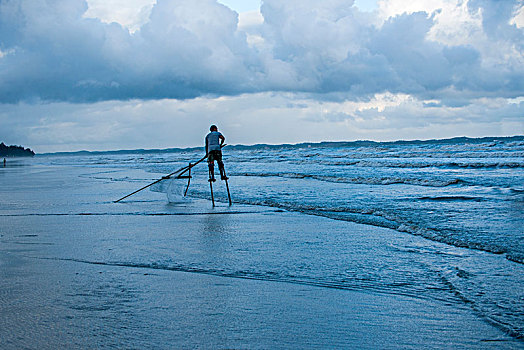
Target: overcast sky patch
(443, 57)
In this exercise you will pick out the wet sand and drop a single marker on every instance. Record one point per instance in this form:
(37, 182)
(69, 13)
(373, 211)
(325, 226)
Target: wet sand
(78, 271)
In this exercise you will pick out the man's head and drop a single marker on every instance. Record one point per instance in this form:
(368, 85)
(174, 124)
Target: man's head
(213, 128)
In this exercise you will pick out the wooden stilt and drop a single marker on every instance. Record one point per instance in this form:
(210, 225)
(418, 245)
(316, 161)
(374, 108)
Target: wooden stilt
(227, 187)
(212, 197)
(228, 194)
(211, 186)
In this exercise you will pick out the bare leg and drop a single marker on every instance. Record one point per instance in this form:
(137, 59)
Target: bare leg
(222, 170)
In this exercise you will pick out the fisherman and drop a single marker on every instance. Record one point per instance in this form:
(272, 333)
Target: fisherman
(5, 162)
(214, 143)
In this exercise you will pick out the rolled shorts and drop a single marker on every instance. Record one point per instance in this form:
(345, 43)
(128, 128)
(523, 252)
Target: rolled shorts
(214, 155)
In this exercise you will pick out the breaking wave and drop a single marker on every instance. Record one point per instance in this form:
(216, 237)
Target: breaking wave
(360, 180)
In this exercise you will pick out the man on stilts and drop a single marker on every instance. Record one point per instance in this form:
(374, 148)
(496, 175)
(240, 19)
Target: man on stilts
(214, 142)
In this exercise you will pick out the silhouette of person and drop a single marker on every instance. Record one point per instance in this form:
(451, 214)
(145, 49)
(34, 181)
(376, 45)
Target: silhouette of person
(214, 142)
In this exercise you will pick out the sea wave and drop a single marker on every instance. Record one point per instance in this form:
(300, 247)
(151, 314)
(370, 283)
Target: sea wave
(452, 198)
(359, 180)
(404, 288)
(437, 164)
(454, 280)
(392, 162)
(385, 219)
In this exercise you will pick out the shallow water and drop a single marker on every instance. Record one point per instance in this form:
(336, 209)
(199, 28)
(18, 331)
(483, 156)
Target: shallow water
(466, 197)
(467, 193)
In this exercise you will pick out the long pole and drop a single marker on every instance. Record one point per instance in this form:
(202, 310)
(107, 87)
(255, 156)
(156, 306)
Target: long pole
(228, 195)
(181, 171)
(212, 196)
(227, 187)
(188, 180)
(151, 184)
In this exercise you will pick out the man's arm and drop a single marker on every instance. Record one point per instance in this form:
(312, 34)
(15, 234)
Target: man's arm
(205, 141)
(222, 139)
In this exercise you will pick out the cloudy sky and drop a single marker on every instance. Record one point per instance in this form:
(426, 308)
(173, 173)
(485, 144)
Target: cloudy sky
(124, 74)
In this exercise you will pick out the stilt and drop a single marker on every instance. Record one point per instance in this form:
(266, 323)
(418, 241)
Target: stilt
(227, 186)
(228, 194)
(212, 197)
(211, 179)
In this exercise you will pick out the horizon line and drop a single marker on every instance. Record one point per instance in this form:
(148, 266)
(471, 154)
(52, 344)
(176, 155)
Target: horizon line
(270, 145)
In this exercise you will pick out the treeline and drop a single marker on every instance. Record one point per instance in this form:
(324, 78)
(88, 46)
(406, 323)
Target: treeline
(15, 151)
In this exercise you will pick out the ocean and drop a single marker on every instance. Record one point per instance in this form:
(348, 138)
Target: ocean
(464, 196)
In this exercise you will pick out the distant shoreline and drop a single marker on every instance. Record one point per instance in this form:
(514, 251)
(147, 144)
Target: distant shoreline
(359, 143)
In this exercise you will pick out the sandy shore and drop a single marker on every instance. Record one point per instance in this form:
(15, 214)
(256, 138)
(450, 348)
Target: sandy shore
(78, 271)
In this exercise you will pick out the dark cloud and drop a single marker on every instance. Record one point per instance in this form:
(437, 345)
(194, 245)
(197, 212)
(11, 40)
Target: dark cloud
(51, 52)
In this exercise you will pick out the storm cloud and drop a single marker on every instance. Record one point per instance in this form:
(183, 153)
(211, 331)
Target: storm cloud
(50, 51)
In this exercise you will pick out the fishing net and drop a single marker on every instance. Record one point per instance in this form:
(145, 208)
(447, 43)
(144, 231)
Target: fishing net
(173, 188)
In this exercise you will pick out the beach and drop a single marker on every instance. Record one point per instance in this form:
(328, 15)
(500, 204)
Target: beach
(225, 174)
(79, 271)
